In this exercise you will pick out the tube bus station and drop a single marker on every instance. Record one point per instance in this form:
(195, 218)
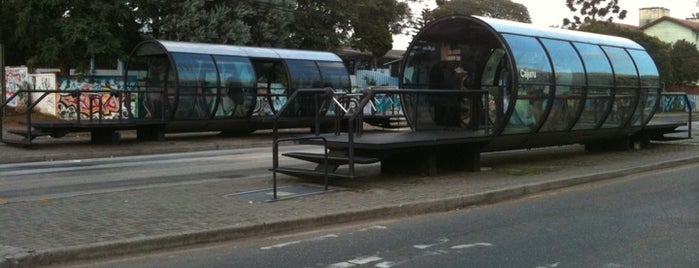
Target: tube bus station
(468, 85)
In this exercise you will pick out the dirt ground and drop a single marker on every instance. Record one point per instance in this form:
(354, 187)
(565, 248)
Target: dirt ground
(12, 119)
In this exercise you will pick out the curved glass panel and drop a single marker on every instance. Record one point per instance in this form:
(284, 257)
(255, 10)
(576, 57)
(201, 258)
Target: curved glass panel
(626, 94)
(272, 83)
(534, 75)
(650, 87)
(570, 85)
(497, 81)
(155, 76)
(420, 60)
(507, 26)
(420, 72)
(304, 74)
(237, 93)
(334, 75)
(449, 60)
(600, 83)
(198, 85)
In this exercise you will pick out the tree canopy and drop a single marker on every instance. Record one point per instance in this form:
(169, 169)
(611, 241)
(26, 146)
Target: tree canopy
(685, 63)
(69, 34)
(499, 9)
(593, 10)
(678, 63)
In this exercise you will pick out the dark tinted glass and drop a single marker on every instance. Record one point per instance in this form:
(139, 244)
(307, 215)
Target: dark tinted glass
(599, 72)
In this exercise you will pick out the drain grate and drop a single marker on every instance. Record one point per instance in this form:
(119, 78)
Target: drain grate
(283, 193)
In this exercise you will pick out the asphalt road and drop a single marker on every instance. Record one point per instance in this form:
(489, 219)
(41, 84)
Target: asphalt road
(643, 220)
(68, 178)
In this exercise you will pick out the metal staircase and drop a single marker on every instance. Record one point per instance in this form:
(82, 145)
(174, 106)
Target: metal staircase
(331, 158)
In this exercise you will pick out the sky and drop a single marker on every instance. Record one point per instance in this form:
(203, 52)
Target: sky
(552, 12)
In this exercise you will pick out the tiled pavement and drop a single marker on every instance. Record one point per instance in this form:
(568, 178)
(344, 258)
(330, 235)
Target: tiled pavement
(87, 226)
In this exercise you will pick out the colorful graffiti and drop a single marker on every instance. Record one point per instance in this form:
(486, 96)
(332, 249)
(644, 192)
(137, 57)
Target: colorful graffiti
(16, 79)
(94, 100)
(383, 104)
(92, 105)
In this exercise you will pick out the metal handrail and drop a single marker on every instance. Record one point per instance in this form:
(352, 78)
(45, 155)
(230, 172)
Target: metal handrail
(277, 140)
(123, 95)
(275, 160)
(356, 120)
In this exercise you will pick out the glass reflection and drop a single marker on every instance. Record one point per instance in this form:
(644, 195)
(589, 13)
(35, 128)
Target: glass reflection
(600, 84)
(626, 93)
(237, 94)
(570, 82)
(534, 75)
(198, 84)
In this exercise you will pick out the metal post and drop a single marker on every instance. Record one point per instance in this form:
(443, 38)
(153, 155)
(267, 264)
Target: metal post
(2, 84)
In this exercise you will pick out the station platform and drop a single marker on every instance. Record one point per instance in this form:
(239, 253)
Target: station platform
(187, 215)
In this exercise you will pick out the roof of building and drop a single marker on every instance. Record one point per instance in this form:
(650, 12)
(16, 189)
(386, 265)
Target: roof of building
(688, 24)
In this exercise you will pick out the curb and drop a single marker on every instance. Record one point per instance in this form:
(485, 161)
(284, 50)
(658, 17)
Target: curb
(149, 244)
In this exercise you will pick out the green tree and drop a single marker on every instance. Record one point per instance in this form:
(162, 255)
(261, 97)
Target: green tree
(151, 14)
(205, 21)
(69, 34)
(364, 24)
(320, 24)
(657, 49)
(8, 11)
(271, 22)
(685, 63)
(374, 22)
(499, 9)
(593, 10)
(256, 23)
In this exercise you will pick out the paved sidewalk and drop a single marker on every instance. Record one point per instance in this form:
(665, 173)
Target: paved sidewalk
(106, 224)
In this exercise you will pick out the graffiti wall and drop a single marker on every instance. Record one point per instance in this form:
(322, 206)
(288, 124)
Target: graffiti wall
(15, 79)
(47, 105)
(94, 100)
(383, 104)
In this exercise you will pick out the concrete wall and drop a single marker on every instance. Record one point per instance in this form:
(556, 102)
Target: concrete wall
(670, 32)
(650, 14)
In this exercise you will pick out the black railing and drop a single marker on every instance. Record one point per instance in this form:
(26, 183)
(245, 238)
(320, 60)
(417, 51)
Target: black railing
(124, 101)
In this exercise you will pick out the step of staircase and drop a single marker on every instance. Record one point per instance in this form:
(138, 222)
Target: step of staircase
(17, 142)
(311, 174)
(332, 159)
(26, 134)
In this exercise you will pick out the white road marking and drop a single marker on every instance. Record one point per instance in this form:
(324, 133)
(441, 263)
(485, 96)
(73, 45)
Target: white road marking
(441, 241)
(375, 227)
(553, 265)
(341, 265)
(356, 261)
(386, 264)
(472, 245)
(320, 238)
(365, 260)
(423, 246)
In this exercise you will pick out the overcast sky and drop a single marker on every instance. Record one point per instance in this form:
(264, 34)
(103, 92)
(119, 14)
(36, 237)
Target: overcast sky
(552, 12)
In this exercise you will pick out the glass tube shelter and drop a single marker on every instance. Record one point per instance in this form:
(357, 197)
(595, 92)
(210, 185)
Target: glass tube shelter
(205, 86)
(538, 80)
